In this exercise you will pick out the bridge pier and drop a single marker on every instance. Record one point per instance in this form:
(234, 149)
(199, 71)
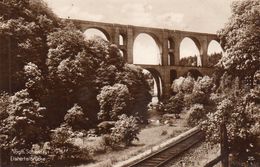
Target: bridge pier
(162, 38)
(130, 45)
(177, 51)
(203, 52)
(165, 50)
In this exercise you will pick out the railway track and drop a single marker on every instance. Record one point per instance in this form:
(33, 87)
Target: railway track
(165, 155)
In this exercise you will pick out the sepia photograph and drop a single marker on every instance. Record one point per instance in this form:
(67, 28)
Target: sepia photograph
(129, 83)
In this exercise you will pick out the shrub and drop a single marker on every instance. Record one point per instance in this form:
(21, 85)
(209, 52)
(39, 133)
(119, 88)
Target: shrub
(114, 101)
(242, 121)
(188, 85)
(24, 125)
(126, 130)
(34, 80)
(196, 114)
(189, 61)
(4, 103)
(176, 85)
(175, 104)
(197, 97)
(63, 151)
(204, 84)
(75, 118)
(201, 91)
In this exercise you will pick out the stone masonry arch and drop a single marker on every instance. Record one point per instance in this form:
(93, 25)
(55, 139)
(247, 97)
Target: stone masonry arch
(197, 44)
(107, 35)
(158, 79)
(152, 39)
(161, 36)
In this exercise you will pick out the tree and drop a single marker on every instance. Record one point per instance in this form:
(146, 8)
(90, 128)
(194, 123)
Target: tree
(187, 85)
(70, 72)
(241, 117)
(177, 85)
(133, 77)
(204, 84)
(126, 130)
(25, 25)
(114, 101)
(78, 69)
(34, 81)
(68, 63)
(196, 114)
(214, 59)
(240, 38)
(76, 119)
(175, 104)
(24, 124)
(189, 61)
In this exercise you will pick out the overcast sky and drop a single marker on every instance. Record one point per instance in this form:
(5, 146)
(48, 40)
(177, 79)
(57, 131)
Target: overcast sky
(190, 15)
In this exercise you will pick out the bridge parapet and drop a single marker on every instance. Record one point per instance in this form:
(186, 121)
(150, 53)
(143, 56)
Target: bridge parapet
(161, 36)
(169, 68)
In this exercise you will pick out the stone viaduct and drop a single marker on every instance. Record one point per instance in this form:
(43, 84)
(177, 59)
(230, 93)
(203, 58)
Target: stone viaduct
(168, 42)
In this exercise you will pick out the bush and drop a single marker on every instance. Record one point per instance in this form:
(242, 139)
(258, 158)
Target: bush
(126, 130)
(4, 103)
(63, 151)
(204, 84)
(176, 85)
(197, 97)
(214, 59)
(184, 85)
(175, 104)
(114, 101)
(241, 118)
(189, 61)
(24, 125)
(75, 118)
(187, 85)
(196, 114)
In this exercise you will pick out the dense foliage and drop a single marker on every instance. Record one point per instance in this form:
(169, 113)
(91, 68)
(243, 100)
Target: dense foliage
(23, 123)
(213, 59)
(175, 104)
(62, 84)
(237, 95)
(240, 39)
(113, 101)
(126, 130)
(75, 118)
(25, 25)
(241, 117)
(189, 61)
(193, 91)
(196, 114)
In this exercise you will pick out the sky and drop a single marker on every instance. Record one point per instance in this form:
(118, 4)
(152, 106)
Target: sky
(206, 16)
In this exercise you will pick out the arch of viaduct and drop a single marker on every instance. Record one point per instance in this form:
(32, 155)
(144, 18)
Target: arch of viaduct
(168, 42)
